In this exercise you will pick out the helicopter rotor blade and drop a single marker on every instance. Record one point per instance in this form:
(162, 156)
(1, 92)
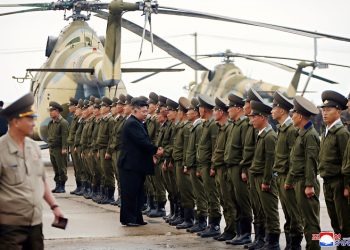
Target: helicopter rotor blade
(155, 70)
(150, 75)
(22, 11)
(41, 5)
(197, 14)
(143, 33)
(159, 42)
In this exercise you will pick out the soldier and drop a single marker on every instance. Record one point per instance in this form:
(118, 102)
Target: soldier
(57, 141)
(168, 170)
(23, 184)
(219, 170)
(261, 170)
(190, 167)
(246, 162)
(205, 149)
(331, 158)
(183, 180)
(162, 139)
(114, 143)
(233, 158)
(70, 141)
(287, 134)
(302, 175)
(85, 142)
(152, 129)
(104, 133)
(346, 164)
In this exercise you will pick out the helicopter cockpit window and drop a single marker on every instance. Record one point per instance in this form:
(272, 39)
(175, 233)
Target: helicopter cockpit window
(211, 75)
(74, 40)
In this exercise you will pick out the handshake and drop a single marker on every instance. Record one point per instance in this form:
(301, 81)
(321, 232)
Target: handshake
(160, 152)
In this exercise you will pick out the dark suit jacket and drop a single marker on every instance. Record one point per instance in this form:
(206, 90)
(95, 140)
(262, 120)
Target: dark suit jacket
(137, 149)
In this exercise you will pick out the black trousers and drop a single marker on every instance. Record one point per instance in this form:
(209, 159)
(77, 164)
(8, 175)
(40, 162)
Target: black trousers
(132, 196)
(21, 237)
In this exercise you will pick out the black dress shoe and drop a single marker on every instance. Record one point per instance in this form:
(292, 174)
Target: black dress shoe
(142, 223)
(130, 224)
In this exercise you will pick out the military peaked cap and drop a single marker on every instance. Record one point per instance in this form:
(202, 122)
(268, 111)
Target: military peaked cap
(162, 101)
(184, 104)
(92, 100)
(206, 101)
(80, 103)
(279, 100)
(220, 104)
(194, 104)
(122, 99)
(128, 99)
(97, 104)
(55, 106)
(153, 98)
(106, 102)
(20, 108)
(260, 108)
(114, 101)
(235, 100)
(333, 99)
(304, 106)
(139, 102)
(86, 104)
(172, 105)
(253, 95)
(73, 102)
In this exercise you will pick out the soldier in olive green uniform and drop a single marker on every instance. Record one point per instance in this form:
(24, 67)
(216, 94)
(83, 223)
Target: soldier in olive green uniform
(77, 144)
(104, 133)
(70, 141)
(183, 180)
(331, 158)
(152, 129)
(93, 156)
(233, 157)
(57, 141)
(190, 167)
(168, 168)
(23, 184)
(287, 134)
(220, 171)
(261, 169)
(346, 165)
(205, 149)
(114, 143)
(246, 162)
(85, 143)
(302, 175)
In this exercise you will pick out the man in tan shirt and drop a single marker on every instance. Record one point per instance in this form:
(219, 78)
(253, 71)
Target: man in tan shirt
(22, 181)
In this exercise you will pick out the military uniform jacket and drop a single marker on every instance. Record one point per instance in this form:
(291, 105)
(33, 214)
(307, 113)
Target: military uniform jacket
(152, 128)
(332, 151)
(22, 178)
(219, 151)
(164, 139)
(264, 155)
(84, 141)
(105, 131)
(286, 136)
(57, 133)
(304, 156)
(195, 131)
(96, 126)
(72, 130)
(180, 140)
(114, 142)
(249, 148)
(235, 142)
(77, 137)
(207, 143)
(346, 165)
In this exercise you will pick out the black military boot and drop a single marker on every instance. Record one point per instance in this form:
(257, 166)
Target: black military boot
(160, 212)
(255, 237)
(199, 226)
(87, 190)
(212, 230)
(77, 189)
(188, 219)
(260, 235)
(110, 196)
(273, 242)
(180, 217)
(105, 197)
(82, 189)
(61, 187)
(56, 187)
(296, 241)
(245, 233)
(98, 194)
(150, 206)
(288, 241)
(103, 194)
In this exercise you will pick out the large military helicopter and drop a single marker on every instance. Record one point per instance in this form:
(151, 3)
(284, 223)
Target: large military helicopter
(80, 63)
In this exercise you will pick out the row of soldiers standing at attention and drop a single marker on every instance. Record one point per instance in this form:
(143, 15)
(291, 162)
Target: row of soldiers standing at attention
(224, 153)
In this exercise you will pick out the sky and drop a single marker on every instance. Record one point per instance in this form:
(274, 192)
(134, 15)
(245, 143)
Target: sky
(23, 41)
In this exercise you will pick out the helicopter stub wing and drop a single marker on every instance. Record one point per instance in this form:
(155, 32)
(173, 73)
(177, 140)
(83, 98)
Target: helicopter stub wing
(159, 42)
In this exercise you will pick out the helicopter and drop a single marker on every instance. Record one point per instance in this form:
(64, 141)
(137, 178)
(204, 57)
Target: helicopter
(81, 64)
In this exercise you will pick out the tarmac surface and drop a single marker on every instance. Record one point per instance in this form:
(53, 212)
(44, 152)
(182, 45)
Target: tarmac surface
(97, 227)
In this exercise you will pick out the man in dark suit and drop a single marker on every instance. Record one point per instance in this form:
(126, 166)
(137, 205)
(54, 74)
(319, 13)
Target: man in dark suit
(135, 162)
